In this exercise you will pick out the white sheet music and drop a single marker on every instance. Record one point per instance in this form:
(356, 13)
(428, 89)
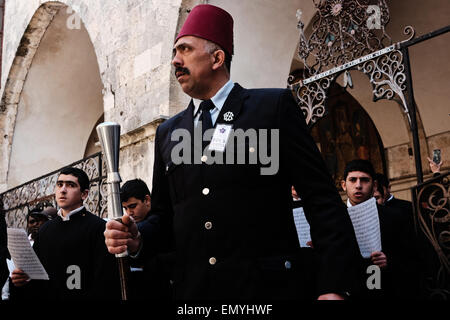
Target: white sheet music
(366, 224)
(23, 254)
(302, 226)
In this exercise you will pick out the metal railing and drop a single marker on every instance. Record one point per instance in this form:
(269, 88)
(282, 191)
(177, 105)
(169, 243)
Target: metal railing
(39, 192)
(431, 203)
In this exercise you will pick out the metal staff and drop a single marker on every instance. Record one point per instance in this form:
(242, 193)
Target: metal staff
(109, 136)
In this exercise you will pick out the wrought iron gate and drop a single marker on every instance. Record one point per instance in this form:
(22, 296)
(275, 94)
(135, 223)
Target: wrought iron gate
(432, 221)
(342, 39)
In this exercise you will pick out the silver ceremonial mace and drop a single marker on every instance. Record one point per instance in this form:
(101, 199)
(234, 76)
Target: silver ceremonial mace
(109, 136)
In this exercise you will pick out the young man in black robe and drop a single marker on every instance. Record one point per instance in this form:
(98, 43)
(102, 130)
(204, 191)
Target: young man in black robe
(147, 279)
(72, 250)
(359, 184)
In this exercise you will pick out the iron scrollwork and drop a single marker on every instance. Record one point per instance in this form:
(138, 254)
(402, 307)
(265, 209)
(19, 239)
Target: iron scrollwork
(432, 203)
(387, 76)
(312, 97)
(342, 39)
(18, 201)
(341, 32)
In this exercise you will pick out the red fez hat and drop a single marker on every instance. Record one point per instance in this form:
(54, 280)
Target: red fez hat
(211, 23)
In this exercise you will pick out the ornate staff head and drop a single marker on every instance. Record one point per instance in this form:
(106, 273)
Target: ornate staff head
(109, 136)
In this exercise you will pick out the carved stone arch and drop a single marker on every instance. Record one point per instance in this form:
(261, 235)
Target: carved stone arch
(344, 130)
(16, 79)
(338, 40)
(53, 91)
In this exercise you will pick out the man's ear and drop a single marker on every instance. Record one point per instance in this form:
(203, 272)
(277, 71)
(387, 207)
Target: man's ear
(148, 201)
(84, 194)
(343, 186)
(219, 59)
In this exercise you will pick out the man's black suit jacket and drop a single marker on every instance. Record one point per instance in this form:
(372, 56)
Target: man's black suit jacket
(408, 282)
(400, 204)
(398, 281)
(254, 243)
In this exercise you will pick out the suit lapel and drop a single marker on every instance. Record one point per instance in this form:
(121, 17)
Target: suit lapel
(233, 105)
(187, 119)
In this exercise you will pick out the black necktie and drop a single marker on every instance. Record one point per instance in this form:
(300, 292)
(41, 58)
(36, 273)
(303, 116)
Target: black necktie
(205, 118)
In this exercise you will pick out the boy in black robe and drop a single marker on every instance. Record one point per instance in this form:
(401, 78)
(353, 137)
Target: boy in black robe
(72, 249)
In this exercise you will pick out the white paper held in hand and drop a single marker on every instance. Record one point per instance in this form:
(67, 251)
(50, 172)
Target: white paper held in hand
(366, 224)
(23, 254)
(302, 225)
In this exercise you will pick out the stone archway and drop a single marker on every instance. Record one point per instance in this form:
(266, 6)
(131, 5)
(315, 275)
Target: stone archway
(52, 98)
(347, 133)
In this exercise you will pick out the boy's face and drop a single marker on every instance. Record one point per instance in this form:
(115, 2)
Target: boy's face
(359, 186)
(34, 223)
(137, 208)
(68, 193)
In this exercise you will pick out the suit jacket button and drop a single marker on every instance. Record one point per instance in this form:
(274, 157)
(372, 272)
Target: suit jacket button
(208, 225)
(205, 191)
(212, 261)
(287, 264)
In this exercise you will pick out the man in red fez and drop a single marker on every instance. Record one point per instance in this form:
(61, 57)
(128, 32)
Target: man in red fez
(226, 244)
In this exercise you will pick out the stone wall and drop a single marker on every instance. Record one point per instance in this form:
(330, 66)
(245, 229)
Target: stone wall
(133, 44)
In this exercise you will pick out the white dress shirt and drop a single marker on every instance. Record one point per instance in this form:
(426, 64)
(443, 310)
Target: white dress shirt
(67, 217)
(218, 100)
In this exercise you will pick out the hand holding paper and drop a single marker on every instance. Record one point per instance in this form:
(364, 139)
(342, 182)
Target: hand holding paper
(366, 224)
(303, 229)
(379, 258)
(24, 256)
(19, 278)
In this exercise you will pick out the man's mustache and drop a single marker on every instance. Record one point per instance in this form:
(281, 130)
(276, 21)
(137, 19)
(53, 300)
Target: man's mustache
(182, 70)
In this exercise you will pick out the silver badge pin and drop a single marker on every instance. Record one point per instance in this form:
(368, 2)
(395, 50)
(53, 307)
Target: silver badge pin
(228, 116)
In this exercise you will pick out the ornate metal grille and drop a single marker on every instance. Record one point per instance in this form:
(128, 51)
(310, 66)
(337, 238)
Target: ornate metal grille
(40, 192)
(343, 39)
(432, 220)
(350, 34)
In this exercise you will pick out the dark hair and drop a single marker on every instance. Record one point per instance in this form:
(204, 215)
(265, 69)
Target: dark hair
(228, 58)
(134, 188)
(382, 180)
(380, 188)
(37, 213)
(82, 177)
(212, 47)
(359, 165)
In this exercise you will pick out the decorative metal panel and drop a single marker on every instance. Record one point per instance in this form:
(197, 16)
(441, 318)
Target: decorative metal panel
(20, 200)
(432, 220)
